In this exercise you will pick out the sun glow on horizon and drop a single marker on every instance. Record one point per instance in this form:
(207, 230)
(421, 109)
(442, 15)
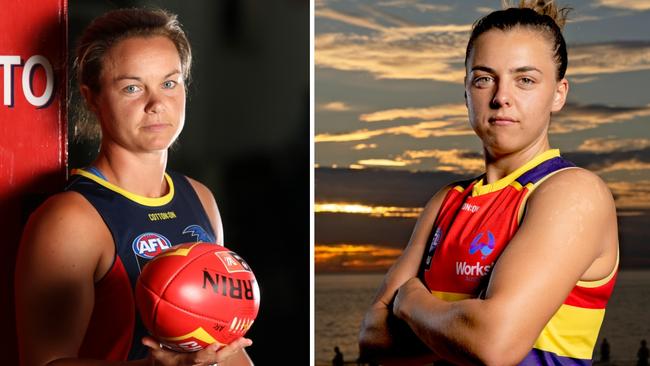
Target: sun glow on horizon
(373, 211)
(356, 257)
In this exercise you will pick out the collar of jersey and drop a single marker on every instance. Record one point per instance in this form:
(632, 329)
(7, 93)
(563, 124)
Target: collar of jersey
(145, 201)
(479, 188)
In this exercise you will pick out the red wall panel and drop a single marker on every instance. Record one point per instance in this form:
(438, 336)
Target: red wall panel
(33, 129)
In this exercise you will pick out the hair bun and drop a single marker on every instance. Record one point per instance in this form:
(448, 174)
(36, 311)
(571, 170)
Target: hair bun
(543, 7)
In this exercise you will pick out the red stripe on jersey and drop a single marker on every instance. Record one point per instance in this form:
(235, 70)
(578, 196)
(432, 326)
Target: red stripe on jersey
(591, 297)
(110, 330)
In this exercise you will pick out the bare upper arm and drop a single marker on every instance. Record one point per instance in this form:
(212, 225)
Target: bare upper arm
(56, 266)
(210, 206)
(569, 233)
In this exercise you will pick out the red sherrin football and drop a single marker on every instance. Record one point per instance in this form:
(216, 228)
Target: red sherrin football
(196, 294)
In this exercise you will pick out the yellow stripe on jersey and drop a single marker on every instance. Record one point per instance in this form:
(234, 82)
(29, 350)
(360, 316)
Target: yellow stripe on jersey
(601, 282)
(481, 188)
(571, 332)
(183, 252)
(145, 201)
(450, 296)
(516, 185)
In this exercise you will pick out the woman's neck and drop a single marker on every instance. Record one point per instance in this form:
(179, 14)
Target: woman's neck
(139, 173)
(498, 166)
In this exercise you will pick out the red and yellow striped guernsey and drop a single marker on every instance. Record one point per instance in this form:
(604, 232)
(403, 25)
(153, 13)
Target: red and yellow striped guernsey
(474, 224)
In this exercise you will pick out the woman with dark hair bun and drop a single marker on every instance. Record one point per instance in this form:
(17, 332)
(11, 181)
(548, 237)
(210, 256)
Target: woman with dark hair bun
(515, 266)
(82, 252)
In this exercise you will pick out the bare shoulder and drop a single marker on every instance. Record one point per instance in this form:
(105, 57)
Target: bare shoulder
(64, 214)
(577, 203)
(64, 235)
(575, 186)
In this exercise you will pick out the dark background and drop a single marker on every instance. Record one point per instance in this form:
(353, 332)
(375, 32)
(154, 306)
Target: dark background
(246, 137)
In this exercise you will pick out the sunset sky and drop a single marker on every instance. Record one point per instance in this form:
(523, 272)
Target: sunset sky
(392, 128)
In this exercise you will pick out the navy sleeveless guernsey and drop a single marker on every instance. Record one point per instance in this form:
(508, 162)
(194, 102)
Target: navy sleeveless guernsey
(141, 228)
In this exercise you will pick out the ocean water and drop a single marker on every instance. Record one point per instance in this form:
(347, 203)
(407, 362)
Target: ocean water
(342, 299)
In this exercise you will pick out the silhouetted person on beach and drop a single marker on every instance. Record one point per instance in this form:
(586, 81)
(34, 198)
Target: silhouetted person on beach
(604, 350)
(643, 354)
(338, 358)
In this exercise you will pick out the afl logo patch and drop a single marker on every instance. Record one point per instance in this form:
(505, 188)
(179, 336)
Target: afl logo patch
(149, 245)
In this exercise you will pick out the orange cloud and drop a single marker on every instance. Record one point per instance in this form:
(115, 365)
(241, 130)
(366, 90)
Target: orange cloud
(484, 10)
(382, 162)
(454, 160)
(575, 117)
(334, 107)
(322, 12)
(372, 211)
(632, 164)
(582, 80)
(607, 58)
(631, 195)
(420, 130)
(352, 257)
(639, 5)
(401, 53)
(423, 8)
(364, 146)
(603, 144)
(583, 18)
(433, 112)
(436, 52)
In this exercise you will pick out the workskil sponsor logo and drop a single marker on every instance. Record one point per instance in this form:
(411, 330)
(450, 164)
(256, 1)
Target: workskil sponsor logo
(483, 243)
(149, 245)
(476, 269)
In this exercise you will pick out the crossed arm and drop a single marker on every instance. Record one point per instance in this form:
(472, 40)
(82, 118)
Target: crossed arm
(569, 234)
(379, 338)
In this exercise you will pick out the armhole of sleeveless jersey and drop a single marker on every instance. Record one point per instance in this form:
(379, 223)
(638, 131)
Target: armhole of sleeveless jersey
(522, 207)
(521, 213)
(110, 268)
(196, 195)
(603, 281)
